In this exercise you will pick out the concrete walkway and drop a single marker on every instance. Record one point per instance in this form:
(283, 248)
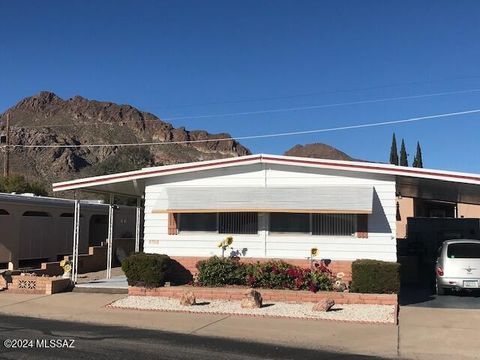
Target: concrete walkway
(422, 334)
(114, 285)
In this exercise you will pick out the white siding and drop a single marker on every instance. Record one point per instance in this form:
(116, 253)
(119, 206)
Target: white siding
(380, 244)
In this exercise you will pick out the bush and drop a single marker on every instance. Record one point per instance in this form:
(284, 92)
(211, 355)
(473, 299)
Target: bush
(282, 275)
(269, 275)
(217, 271)
(18, 184)
(374, 276)
(149, 270)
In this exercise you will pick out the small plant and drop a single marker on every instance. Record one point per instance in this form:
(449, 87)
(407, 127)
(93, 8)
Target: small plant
(224, 244)
(217, 271)
(149, 270)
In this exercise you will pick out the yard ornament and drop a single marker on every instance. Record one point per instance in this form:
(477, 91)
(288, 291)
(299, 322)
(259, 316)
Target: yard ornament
(67, 268)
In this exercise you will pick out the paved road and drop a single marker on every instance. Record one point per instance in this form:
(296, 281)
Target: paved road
(114, 342)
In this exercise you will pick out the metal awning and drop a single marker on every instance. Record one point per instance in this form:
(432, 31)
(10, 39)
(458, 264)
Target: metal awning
(430, 189)
(324, 199)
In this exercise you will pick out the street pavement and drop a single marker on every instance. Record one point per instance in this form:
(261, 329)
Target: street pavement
(115, 342)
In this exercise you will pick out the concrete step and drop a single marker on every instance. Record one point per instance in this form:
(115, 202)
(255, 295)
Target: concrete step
(99, 290)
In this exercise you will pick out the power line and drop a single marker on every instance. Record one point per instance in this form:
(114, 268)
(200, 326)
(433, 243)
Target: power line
(309, 94)
(324, 105)
(258, 112)
(262, 136)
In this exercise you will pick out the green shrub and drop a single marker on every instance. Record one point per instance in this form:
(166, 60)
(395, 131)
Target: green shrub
(217, 271)
(149, 270)
(18, 184)
(282, 275)
(374, 276)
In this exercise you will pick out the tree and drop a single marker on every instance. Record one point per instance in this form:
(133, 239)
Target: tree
(18, 184)
(394, 151)
(418, 161)
(403, 155)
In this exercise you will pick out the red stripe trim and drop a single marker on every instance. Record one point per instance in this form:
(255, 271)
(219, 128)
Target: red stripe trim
(259, 157)
(368, 167)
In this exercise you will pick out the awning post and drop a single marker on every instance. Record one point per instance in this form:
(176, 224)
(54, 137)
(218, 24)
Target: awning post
(110, 238)
(76, 237)
(137, 226)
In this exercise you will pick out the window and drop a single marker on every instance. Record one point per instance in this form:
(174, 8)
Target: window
(36, 213)
(198, 222)
(4, 212)
(238, 223)
(464, 251)
(315, 224)
(290, 222)
(222, 223)
(334, 224)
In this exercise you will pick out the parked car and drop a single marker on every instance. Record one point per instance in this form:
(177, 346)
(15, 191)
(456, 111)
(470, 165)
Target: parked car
(458, 265)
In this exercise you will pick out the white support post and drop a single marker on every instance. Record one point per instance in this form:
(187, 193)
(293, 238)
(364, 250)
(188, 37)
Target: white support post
(110, 238)
(76, 237)
(137, 226)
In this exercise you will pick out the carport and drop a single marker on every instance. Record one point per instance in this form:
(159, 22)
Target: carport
(437, 216)
(113, 186)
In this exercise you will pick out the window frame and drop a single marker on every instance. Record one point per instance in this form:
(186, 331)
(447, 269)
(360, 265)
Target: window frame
(179, 225)
(217, 226)
(310, 232)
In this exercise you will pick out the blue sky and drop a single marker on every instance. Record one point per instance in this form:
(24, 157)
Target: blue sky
(191, 58)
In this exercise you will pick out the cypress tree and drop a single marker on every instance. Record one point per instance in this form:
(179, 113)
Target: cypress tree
(403, 155)
(394, 151)
(418, 161)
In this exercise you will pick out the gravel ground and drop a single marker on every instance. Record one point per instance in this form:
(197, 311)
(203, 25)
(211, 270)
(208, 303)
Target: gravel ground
(363, 313)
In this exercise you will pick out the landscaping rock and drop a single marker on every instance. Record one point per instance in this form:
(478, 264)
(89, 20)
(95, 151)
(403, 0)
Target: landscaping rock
(188, 298)
(324, 305)
(252, 300)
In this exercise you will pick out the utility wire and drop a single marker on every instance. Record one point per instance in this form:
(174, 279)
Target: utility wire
(262, 136)
(310, 94)
(258, 112)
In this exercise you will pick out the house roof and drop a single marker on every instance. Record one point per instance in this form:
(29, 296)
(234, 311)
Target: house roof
(410, 181)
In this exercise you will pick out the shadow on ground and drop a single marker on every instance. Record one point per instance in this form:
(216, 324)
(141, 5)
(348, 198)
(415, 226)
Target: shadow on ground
(115, 342)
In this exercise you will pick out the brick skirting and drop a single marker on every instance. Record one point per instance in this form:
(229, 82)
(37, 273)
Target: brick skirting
(237, 293)
(186, 266)
(41, 285)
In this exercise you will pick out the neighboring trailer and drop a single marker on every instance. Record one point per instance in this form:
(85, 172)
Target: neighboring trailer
(34, 229)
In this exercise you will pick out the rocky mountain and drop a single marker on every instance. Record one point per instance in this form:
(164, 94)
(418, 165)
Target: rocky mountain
(321, 151)
(46, 119)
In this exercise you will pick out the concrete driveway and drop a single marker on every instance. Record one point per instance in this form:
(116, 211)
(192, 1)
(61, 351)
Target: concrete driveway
(422, 297)
(438, 333)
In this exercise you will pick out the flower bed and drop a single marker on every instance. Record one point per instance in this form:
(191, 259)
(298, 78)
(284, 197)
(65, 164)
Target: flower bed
(273, 274)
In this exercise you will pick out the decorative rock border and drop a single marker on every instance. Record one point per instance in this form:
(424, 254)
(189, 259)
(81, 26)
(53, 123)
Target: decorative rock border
(237, 293)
